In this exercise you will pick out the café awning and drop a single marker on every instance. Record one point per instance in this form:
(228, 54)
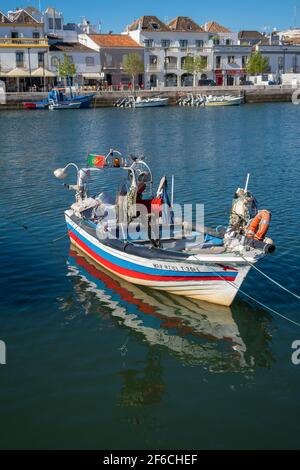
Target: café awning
(18, 72)
(40, 72)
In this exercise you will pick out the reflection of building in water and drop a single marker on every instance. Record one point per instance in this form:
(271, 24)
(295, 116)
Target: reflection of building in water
(144, 387)
(197, 333)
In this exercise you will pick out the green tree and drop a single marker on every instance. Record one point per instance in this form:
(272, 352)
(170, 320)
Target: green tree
(133, 65)
(257, 64)
(194, 65)
(66, 68)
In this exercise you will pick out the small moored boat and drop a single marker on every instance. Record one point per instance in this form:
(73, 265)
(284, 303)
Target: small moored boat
(224, 100)
(139, 102)
(136, 235)
(61, 96)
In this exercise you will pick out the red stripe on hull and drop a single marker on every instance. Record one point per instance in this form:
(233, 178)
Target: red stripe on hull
(136, 275)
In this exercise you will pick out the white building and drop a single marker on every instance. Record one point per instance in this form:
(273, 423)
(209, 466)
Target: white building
(85, 59)
(168, 45)
(23, 50)
(282, 58)
(32, 43)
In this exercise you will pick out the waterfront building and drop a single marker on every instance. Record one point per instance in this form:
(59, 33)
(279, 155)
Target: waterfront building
(283, 59)
(33, 42)
(112, 49)
(167, 46)
(86, 61)
(230, 64)
(23, 51)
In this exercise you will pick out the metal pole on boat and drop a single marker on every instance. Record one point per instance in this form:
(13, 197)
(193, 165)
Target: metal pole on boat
(172, 192)
(247, 182)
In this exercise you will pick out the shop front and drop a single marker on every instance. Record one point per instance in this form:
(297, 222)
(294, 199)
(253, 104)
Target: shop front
(232, 77)
(235, 77)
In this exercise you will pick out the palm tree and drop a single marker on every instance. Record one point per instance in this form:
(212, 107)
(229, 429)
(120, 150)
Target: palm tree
(133, 65)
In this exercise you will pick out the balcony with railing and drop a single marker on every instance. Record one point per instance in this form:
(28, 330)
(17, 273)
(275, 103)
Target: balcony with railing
(152, 68)
(24, 42)
(171, 67)
(171, 63)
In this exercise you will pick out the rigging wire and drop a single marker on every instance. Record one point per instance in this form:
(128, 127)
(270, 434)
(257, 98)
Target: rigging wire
(270, 279)
(257, 301)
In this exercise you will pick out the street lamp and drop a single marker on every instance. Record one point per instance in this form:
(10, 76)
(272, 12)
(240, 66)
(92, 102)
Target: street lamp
(29, 64)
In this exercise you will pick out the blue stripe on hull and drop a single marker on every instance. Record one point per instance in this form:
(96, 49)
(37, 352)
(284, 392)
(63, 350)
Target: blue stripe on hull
(145, 269)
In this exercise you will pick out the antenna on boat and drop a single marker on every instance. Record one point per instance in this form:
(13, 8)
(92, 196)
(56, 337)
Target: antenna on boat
(172, 192)
(247, 182)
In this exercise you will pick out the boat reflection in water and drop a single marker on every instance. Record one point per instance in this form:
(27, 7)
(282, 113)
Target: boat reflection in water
(218, 338)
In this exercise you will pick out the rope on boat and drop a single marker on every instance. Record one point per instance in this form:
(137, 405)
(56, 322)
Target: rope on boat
(270, 279)
(59, 238)
(257, 301)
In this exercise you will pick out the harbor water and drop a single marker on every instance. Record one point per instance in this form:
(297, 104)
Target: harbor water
(93, 362)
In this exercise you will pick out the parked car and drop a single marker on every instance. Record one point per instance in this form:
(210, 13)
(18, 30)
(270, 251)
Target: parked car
(207, 83)
(271, 82)
(248, 83)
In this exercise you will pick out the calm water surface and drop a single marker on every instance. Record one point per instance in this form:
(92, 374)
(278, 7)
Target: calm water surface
(93, 362)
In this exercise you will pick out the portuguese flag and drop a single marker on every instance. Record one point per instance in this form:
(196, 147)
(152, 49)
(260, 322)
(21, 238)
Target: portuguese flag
(96, 161)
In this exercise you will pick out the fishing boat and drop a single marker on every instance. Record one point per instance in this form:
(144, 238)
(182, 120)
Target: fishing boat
(139, 102)
(58, 106)
(226, 100)
(61, 96)
(157, 249)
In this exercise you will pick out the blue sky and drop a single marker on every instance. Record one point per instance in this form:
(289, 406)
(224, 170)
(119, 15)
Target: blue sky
(115, 14)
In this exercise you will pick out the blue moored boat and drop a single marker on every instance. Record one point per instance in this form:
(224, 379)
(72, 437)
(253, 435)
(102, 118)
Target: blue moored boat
(61, 96)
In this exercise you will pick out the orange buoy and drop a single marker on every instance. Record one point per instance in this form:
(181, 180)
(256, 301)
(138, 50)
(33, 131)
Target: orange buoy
(259, 226)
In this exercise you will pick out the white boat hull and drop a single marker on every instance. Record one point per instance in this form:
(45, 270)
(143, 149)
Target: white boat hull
(225, 102)
(214, 279)
(152, 103)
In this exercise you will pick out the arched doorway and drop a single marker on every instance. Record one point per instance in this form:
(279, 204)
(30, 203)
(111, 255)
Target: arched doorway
(170, 79)
(187, 79)
(153, 81)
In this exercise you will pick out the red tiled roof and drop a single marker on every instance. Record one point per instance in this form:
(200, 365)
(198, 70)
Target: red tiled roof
(185, 24)
(114, 40)
(149, 23)
(214, 27)
(70, 47)
(250, 35)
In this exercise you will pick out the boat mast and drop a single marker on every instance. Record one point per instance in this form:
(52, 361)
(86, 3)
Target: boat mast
(247, 182)
(172, 192)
